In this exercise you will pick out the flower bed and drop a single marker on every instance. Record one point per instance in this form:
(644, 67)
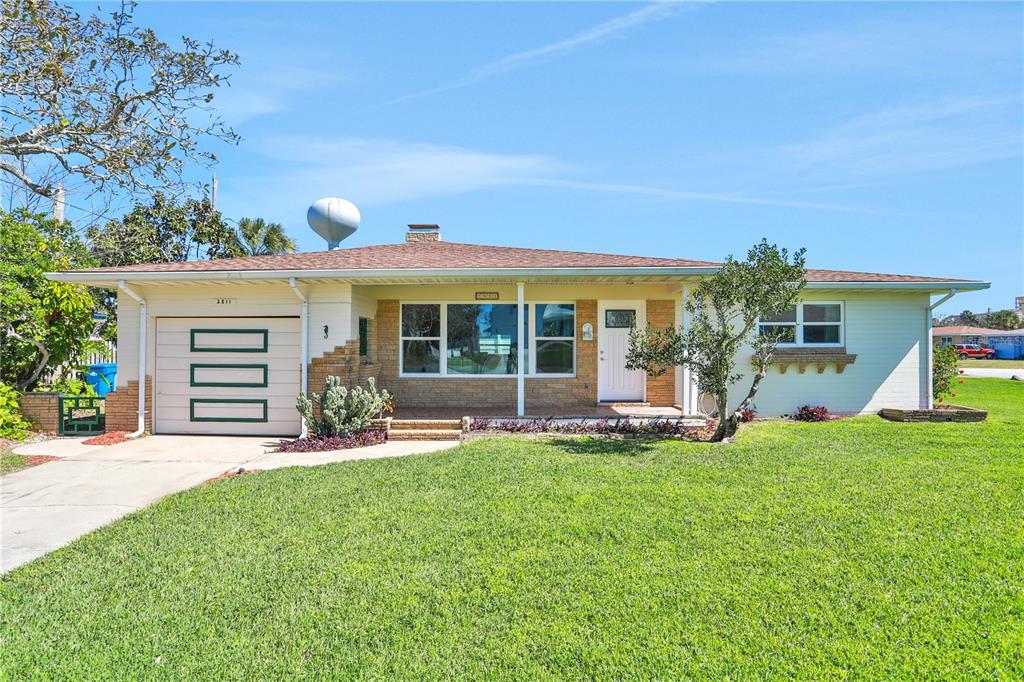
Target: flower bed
(589, 427)
(325, 443)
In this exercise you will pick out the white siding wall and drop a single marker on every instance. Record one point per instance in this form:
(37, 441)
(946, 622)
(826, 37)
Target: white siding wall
(886, 331)
(330, 305)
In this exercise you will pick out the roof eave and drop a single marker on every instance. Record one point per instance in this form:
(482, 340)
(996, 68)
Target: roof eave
(913, 286)
(112, 277)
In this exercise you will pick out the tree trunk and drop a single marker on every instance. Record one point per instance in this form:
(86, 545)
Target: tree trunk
(727, 422)
(44, 359)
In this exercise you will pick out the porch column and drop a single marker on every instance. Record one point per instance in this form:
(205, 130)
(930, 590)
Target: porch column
(521, 350)
(691, 396)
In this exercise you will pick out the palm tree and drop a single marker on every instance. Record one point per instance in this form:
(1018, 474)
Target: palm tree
(259, 238)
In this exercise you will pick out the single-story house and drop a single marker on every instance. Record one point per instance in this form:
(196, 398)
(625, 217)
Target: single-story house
(1007, 344)
(225, 346)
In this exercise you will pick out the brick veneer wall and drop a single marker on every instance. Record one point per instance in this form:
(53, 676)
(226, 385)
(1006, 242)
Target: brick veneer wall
(661, 390)
(345, 362)
(41, 410)
(487, 392)
(122, 407)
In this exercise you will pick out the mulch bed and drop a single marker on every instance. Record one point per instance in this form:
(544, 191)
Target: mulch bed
(109, 438)
(230, 473)
(33, 460)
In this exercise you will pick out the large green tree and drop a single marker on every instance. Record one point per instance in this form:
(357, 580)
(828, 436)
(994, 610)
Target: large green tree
(163, 231)
(725, 308)
(1003, 319)
(256, 237)
(43, 324)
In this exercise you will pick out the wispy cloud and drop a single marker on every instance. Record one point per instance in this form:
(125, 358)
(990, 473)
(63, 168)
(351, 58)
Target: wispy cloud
(913, 138)
(269, 87)
(375, 172)
(380, 171)
(669, 194)
(937, 42)
(590, 36)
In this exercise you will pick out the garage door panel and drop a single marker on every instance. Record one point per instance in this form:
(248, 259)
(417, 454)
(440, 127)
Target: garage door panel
(227, 375)
(281, 399)
(276, 389)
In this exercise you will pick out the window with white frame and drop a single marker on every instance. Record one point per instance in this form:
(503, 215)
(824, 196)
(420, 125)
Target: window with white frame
(482, 339)
(806, 324)
(554, 338)
(421, 338)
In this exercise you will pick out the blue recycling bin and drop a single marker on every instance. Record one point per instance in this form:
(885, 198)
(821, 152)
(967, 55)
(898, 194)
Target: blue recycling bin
(101, 377)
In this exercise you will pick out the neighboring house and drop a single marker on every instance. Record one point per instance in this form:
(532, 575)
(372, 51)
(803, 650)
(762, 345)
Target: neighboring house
(227, 344)
(1007, 344)
(962, 334)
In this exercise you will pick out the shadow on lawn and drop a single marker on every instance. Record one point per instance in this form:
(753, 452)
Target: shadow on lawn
(628, 447)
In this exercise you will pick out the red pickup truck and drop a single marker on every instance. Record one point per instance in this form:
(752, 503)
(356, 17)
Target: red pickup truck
(973, 350)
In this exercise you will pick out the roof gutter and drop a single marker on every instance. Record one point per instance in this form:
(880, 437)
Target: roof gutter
(368, 275)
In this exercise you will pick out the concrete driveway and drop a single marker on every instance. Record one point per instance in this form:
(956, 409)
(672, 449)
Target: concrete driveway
(48, 506)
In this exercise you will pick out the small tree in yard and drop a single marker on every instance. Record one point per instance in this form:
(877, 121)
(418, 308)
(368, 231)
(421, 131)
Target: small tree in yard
(725, 309)
(43, 324)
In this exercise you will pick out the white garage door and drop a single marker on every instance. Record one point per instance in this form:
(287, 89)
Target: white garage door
(234, 375)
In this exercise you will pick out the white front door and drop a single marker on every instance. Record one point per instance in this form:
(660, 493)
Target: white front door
(615, 319)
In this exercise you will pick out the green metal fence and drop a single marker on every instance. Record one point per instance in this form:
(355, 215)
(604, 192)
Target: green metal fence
(80, 415)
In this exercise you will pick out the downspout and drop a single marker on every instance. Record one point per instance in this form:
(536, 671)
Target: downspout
(304, 324)
(928, 339)
(143, 324)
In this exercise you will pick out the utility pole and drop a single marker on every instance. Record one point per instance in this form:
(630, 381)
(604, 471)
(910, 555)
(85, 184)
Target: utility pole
(58, 203)
(213, 191)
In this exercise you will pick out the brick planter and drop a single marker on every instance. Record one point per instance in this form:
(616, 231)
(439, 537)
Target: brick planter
(942, 413)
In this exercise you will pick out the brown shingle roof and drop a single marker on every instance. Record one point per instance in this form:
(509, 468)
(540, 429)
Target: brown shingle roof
(418, 255)
(963, 330)
(443, 255)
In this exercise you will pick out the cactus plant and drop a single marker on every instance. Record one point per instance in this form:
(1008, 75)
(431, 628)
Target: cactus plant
(343, 412)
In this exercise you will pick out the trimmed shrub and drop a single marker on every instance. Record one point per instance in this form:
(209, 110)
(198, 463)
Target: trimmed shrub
(945, 369)
(807, 413)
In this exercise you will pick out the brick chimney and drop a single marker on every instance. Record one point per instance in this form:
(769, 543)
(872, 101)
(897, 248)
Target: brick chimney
(423, 233)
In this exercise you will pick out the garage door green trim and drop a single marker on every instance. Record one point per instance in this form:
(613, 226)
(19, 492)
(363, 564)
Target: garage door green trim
(226, 401)
(227, 384)
(197, 349)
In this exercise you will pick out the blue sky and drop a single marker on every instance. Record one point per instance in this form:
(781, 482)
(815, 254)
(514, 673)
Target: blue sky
(883, 137)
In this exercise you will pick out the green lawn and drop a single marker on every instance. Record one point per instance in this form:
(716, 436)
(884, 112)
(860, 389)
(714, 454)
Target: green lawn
(11, 462)
(856, 548)
(998, 364)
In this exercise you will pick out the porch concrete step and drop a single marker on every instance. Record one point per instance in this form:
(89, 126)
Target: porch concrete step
(623, 403)
(426, 424)
(424, 434)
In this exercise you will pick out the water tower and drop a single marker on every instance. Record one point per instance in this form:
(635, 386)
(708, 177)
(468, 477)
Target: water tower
(333, 219)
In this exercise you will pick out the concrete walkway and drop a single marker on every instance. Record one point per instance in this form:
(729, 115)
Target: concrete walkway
(50, 505)
(997, 372)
